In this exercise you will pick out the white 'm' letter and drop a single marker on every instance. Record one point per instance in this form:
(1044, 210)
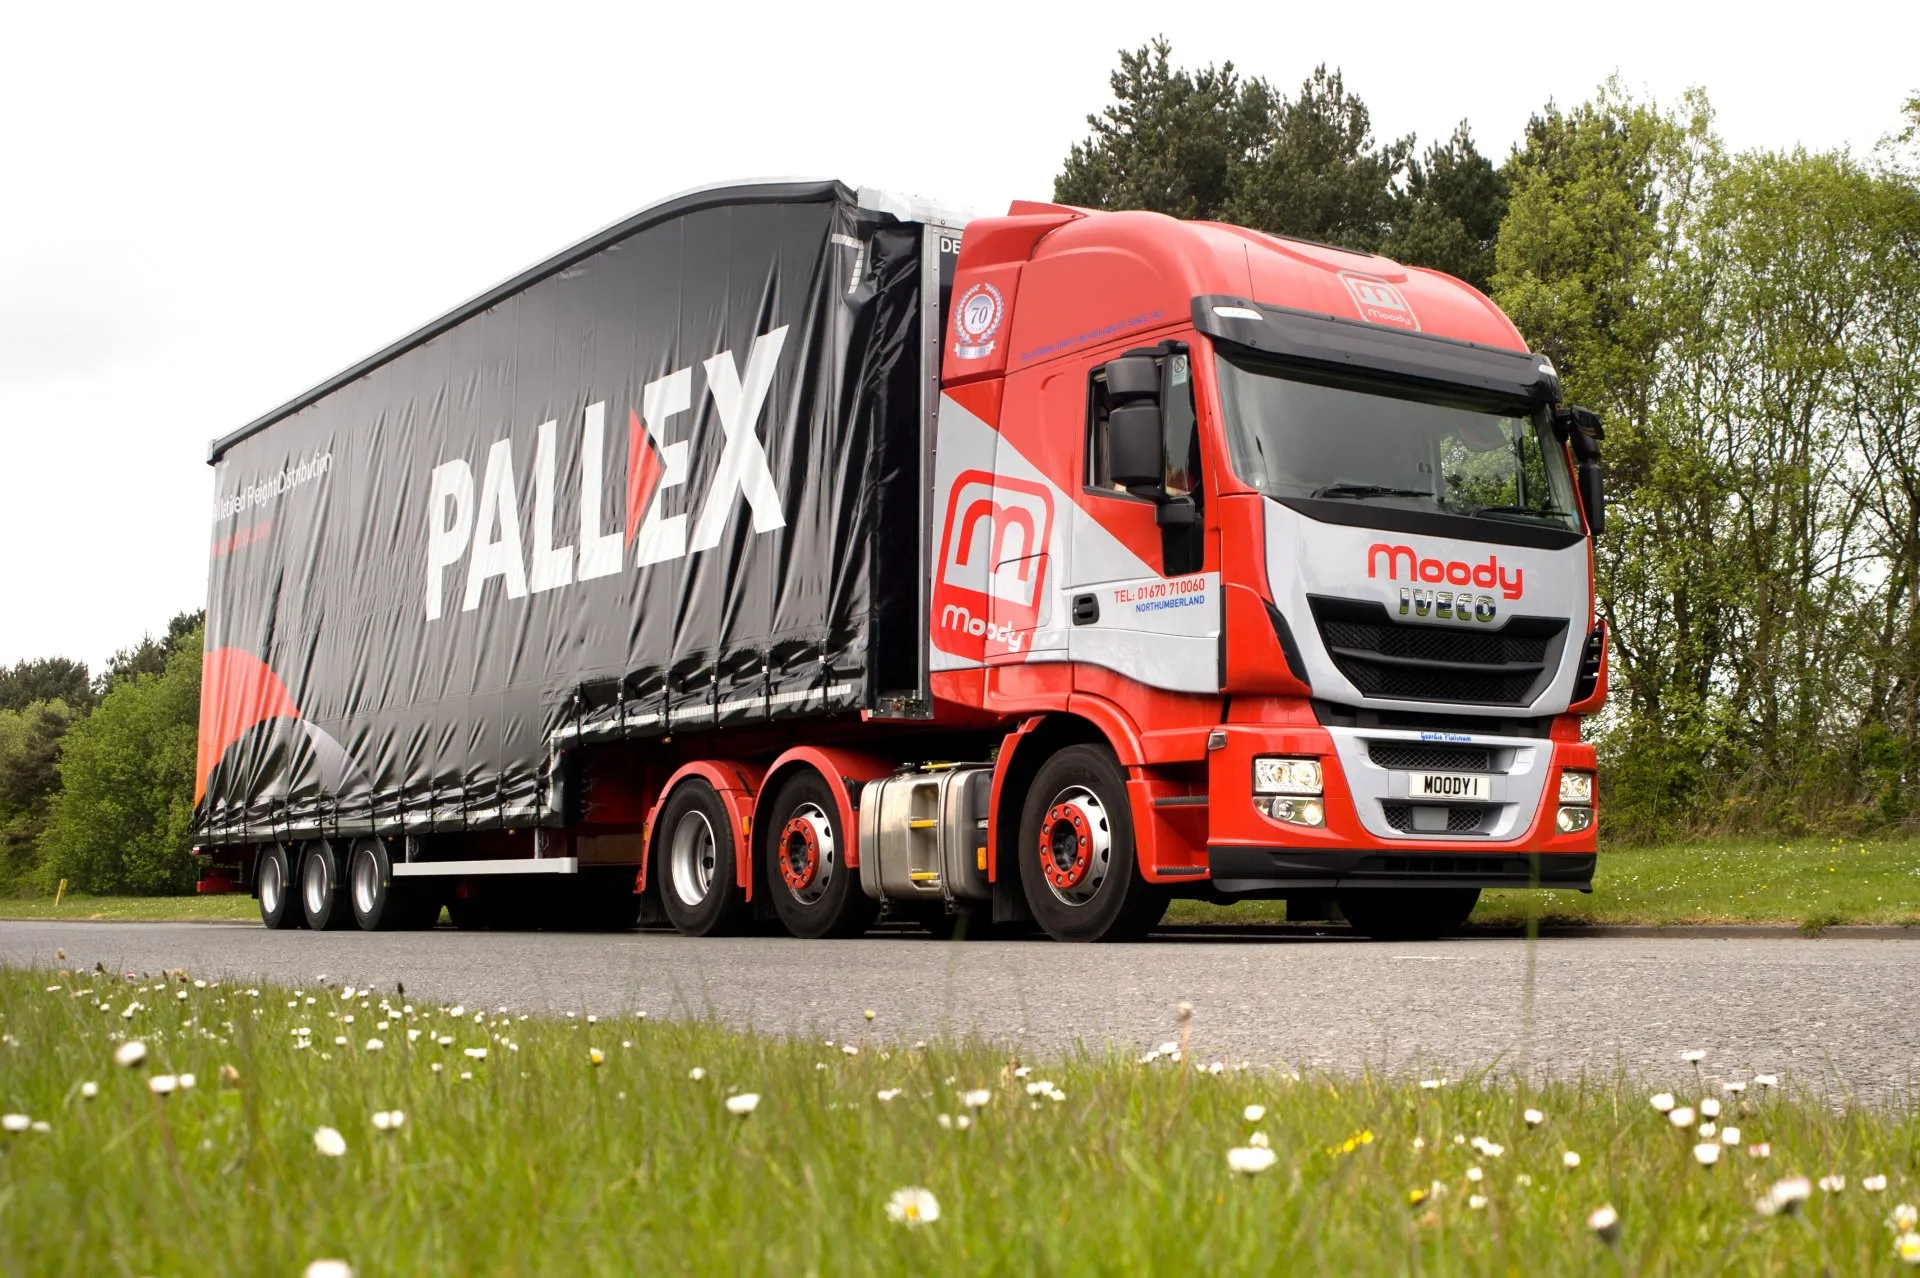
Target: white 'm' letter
(599, 552)
(497, 555)
(743, 465)
(451, 484)
(552, 565)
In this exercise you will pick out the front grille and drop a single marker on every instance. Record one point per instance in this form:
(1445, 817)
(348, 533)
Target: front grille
(1438, 661)
(1459, 820)
(1423, 756)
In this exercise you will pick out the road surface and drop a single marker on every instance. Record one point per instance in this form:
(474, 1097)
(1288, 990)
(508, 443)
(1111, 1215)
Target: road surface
(1833, 1015)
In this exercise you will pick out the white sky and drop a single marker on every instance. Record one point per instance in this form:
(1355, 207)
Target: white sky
(204, 210)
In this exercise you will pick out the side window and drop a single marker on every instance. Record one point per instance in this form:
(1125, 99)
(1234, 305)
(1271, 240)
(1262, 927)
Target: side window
(1180, 437)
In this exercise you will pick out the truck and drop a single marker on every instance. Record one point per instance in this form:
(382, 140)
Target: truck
(791, 554)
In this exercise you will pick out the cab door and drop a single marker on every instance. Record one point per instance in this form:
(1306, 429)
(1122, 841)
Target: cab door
(1142, 599)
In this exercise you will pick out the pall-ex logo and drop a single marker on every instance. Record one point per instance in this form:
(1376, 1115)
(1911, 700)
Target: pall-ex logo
(655, 462)
(1447, 605)
(988, 595)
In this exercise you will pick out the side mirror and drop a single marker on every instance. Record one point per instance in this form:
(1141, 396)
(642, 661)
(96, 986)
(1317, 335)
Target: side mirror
(1581, 428)
(1592, 497)
(1133, 446)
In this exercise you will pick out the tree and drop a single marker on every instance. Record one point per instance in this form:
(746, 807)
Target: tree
(149, 656)
(1174, 142)
(1323, 177)
(29, 752)
(45, 679)
(122, 818)
(1449, 216)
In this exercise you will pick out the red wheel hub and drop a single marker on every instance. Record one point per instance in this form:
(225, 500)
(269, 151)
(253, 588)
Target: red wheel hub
(799, 853)
(1066, 845)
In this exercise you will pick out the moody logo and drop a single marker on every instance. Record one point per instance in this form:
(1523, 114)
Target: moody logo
(993, 564)
(1451, 572)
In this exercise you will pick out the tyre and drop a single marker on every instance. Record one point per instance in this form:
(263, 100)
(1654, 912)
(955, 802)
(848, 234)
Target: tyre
(804, 866)
(323, 889)
(693, 859)
(1408, 914)
(273, 879)
(380, 902)
(1076, 853)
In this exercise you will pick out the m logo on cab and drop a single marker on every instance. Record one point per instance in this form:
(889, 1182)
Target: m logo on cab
(993, 563)
(654, 464)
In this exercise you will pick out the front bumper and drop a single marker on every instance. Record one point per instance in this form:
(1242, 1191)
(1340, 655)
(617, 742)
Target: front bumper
(1271, 869)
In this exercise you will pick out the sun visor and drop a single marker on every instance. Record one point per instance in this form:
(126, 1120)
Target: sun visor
(1329, 341)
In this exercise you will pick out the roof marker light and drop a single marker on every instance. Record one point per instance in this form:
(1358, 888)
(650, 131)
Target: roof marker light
(1237, 312)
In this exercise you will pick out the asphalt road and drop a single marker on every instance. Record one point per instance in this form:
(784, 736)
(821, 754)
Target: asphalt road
(1833, 1015)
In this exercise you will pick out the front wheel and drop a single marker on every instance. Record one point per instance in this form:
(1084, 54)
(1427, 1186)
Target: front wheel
(1408, 914)
(804, 864)
(1077, 861)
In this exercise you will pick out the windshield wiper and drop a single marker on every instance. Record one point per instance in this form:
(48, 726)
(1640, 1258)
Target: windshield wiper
(1524, 512)
(1369, 490)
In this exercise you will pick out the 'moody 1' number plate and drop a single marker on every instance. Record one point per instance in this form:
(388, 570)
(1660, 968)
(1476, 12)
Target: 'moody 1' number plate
(1449, 785)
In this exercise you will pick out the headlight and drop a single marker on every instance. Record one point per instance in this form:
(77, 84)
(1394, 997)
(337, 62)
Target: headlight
(1576, 787)
(1286, 776)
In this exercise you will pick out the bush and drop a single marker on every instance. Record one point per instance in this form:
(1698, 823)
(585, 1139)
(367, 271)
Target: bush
(121, 820)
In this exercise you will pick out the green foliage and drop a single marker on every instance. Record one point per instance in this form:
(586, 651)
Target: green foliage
(1213, 145)
(46, 679)
(1174, 141)
(149, 656)
(29, 750)
(120, 822)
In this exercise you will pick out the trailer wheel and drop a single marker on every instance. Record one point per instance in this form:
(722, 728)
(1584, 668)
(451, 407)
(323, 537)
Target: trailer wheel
(273, 882)
(323, 894)
(1408, 914)
(693, 857)
(1076, 853)
(803, 862)
(380, 904)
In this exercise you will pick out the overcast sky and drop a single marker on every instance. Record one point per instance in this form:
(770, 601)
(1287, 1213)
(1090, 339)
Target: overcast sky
(205, 210)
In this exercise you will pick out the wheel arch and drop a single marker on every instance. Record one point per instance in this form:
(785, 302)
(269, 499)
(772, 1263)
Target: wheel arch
(738, 784)
(844, 771)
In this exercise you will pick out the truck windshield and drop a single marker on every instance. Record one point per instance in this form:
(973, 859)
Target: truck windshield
(1294, 434)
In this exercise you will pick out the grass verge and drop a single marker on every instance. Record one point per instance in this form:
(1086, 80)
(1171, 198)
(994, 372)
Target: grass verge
(150, 909)
(519, 1154)
(1806, 884)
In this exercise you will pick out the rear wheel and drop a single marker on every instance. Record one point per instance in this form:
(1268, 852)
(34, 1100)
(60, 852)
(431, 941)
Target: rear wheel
(693, 857)
(323, 892)
(382, 903)
(273, 883)
(804, 863)
(1076, 853)
(1408, 914)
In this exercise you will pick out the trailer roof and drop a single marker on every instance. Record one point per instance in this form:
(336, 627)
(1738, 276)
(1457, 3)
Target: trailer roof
(771, 191)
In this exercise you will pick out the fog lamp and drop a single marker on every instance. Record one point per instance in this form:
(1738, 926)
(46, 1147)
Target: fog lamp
(1308, 812)
(1573, 820)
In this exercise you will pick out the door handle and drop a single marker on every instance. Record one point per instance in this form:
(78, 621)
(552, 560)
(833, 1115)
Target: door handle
(1086, 610)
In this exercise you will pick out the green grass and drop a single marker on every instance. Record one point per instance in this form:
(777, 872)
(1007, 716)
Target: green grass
(541, 1161)
(1804, 883)
(232, 905)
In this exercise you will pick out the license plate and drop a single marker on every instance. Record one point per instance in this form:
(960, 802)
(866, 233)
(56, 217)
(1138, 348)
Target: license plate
(1449, 785)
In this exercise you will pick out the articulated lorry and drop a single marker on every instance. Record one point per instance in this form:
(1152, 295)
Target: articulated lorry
(791, 552)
